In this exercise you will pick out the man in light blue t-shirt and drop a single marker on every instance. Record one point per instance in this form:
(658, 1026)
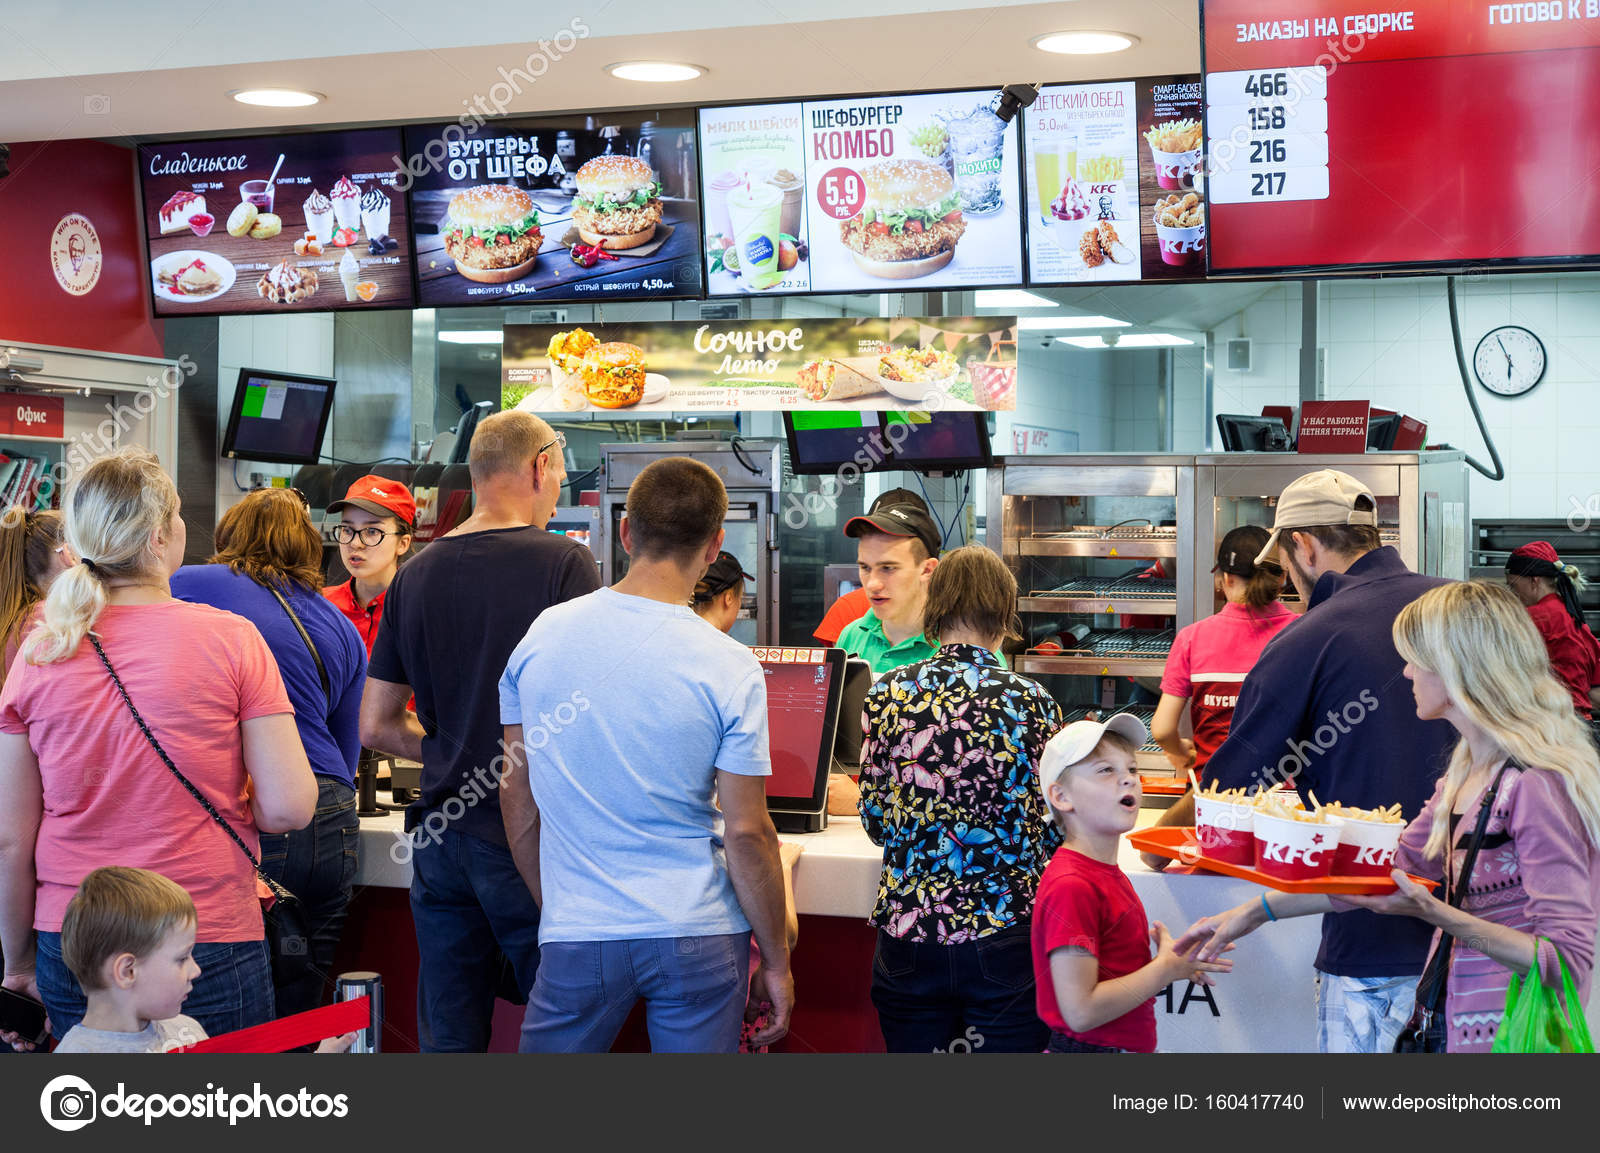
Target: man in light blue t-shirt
(631, 720)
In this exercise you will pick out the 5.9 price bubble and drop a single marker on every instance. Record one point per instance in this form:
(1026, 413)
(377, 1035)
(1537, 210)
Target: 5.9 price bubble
(841, 193)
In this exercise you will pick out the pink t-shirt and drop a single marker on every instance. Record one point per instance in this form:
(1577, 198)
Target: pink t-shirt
(1208, 663)
(194, 673)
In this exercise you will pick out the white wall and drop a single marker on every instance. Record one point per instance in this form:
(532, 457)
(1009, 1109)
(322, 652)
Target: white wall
(1389, 342)
(285, 343)
(1062, 387)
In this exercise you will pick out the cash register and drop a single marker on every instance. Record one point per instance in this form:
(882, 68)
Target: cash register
(812, 730)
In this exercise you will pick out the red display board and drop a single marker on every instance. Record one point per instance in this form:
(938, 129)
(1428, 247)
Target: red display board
(1344, 133)
(1333, 426)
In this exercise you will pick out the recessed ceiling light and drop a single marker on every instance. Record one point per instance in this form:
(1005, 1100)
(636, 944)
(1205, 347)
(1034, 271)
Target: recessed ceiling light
(1066, 323)
(1084, 43)
(472, 336)
(1151, 340)
(1083, 341)
(277, 97)
(1012, 298)
(654, 71)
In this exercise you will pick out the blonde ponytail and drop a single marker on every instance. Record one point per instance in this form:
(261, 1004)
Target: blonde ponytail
(113, 509)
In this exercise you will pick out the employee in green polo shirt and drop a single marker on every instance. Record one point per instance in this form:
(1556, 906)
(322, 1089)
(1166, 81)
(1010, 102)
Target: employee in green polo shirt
(897, 549)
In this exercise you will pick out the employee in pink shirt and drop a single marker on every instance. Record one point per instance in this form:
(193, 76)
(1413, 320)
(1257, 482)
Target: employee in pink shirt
(1210, 658)
(80, 784)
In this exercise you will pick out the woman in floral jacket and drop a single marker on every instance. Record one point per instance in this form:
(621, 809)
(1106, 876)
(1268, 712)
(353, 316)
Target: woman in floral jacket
(947, 789)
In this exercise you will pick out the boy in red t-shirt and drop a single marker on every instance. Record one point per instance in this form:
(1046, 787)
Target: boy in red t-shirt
(1091, 942)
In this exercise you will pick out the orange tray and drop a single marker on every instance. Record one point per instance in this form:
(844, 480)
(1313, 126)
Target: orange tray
(1163, 786)
(1171, 840)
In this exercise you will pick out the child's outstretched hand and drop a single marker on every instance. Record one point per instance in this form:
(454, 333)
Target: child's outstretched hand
(1186, 965)
(340, 1044)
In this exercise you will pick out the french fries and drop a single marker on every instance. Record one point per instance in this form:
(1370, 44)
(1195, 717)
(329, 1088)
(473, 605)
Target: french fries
(1273, 804)
(1387, 816)
(1174, 136)
(1099, 169)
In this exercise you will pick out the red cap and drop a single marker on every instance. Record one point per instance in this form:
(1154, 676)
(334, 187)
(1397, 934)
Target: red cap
(1538, 550)
(381, 497)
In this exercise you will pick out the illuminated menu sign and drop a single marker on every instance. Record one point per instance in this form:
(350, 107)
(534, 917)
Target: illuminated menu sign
(868, 194)
(1344, 134)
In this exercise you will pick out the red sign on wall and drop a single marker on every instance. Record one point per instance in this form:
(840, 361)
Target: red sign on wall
(1333, 426)
(35, 416)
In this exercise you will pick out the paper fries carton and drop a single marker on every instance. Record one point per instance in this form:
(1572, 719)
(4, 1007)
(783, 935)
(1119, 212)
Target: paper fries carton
(1295, 850)
(1366, 848)
(1225, 829)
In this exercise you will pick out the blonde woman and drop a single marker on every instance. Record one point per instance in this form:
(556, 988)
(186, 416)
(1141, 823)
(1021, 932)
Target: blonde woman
(79, 783)
(1475, 659)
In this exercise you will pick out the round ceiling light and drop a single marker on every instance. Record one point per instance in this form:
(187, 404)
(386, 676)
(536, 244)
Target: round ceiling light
(277, 97)
(1084, 43)
(655, 71)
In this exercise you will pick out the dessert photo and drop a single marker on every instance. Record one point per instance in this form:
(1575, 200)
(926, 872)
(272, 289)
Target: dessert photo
(284, 218)
(563, 209)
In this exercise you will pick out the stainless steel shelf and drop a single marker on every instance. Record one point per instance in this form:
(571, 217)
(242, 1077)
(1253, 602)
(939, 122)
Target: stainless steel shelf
(1048, 664)
(1134, 548)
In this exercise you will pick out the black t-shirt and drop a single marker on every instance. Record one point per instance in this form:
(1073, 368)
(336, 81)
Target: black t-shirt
(450, 622)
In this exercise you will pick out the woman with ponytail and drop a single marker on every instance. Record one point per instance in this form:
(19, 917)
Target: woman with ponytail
(80, 784)
(31, 557)
(1549, 589)
(1474, 659)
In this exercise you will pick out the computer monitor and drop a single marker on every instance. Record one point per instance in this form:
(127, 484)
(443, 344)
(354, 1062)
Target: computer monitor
(852, 702)
(804, 687)
(1241, 433)
(937, 441)
(1382, 430)
(278, 417)
(825, 442)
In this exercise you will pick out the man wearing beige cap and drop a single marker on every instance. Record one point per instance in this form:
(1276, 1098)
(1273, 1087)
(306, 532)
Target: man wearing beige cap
(1327, 709)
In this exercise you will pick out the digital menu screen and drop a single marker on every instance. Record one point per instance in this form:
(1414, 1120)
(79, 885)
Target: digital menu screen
(576, 208)
(1113, 183)
(870, 194)
(1344, 134)
(276, 223)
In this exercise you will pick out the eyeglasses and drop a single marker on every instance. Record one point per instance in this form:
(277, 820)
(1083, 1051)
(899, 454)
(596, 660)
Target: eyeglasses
(561, 439)
(371, 536)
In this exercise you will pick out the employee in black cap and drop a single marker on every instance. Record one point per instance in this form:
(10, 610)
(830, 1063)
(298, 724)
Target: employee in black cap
(719, 595)
(853, 605)
(897, 549)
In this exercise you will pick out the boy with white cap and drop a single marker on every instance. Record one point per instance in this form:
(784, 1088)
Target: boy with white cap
(1095, 977)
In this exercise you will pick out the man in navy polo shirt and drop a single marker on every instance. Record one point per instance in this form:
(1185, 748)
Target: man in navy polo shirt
(1326, 708)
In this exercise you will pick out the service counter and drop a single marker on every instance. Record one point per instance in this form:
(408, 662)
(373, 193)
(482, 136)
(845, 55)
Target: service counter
(1266, 1005)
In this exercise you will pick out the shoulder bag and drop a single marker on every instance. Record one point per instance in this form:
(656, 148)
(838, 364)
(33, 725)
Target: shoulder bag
(316, 657)
(1426, 1032)
(282, 913)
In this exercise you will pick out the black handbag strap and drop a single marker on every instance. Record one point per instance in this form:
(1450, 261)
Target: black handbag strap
(1434, 977)
(316, 657)
(205, 802)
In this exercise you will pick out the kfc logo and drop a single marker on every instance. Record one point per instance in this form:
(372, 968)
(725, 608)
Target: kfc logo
(1376, 857)
(1282, 854)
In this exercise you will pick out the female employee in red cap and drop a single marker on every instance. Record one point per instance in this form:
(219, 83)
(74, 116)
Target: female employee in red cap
(1549, 589)
(378, 515)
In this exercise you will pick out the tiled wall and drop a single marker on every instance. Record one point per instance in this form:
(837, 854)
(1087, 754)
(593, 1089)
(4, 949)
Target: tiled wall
(1389, 341)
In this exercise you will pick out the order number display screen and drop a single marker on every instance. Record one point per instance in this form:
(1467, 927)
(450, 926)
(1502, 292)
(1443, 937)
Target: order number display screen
(1345, 133)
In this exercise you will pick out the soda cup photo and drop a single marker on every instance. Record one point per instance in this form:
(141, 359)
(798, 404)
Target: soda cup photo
(1293, 850)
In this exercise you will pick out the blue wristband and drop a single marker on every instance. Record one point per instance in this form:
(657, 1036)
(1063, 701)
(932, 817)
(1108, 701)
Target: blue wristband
(1266, 908)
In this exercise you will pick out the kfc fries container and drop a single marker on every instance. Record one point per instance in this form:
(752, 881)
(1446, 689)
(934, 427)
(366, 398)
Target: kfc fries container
(1181, 246)
(1225, 830)
(1295, 850)
(1367, 848)
(1175, 170)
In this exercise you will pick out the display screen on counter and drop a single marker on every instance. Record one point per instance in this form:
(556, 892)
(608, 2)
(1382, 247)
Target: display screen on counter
(1342, 134)
(802, 715)
(276, 224)
(869, 194)
(576, 208)
(1112, 182)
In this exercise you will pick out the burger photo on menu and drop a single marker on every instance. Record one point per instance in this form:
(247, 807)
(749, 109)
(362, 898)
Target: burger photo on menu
(276, 223)
(911, 222)
(572, 208)
(492, 233)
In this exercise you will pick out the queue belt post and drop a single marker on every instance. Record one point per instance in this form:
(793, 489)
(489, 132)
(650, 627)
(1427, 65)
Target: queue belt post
(353, 986)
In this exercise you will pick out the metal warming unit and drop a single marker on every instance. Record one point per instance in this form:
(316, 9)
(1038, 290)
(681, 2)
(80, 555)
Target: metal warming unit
(751, 468)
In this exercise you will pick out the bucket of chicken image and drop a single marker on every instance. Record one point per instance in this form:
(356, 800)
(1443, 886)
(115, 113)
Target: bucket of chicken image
(1224, 829)
(1296, 850)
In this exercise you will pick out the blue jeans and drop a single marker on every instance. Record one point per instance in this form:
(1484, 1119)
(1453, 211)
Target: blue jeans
(694, 989)
(975, 997)
(318, 865)
(473, 916)
(232, 992)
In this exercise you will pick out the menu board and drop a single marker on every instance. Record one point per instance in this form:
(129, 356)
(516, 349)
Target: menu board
(585, 208)
(869, 194)
(1343, 135)
(276, 223)
(954, 363)
(1114, 187)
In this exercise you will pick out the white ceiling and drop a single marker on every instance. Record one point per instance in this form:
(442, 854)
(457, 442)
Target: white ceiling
(166, 66)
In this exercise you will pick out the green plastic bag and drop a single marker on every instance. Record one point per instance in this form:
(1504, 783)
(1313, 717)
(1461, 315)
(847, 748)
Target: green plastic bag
(1537, 1020)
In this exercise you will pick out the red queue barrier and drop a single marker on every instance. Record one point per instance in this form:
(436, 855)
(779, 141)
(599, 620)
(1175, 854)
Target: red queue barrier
(361, 1014)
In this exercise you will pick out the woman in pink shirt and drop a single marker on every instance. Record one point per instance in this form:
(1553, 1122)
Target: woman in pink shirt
(79, 783)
